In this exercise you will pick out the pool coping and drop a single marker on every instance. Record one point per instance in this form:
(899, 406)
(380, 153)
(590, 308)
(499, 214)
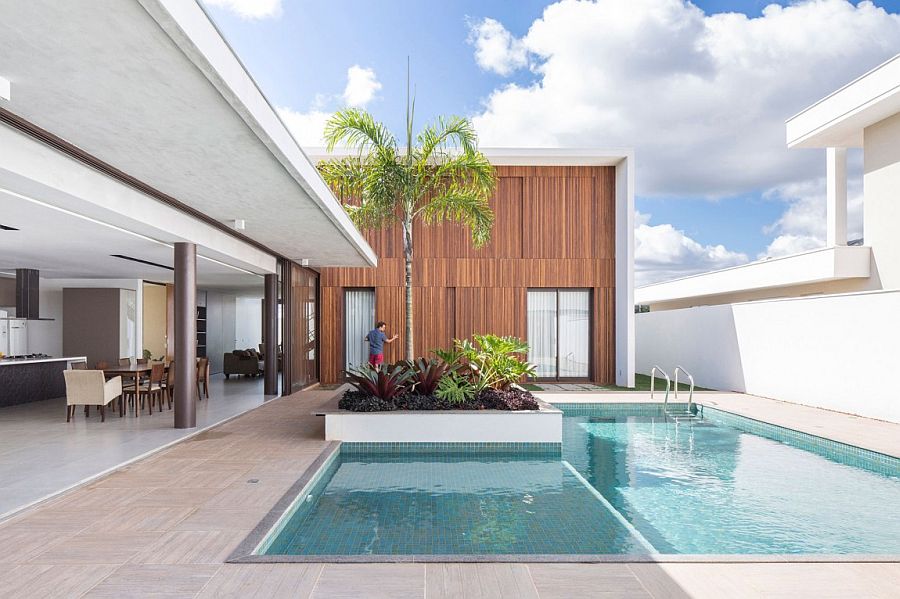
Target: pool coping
(244, 552)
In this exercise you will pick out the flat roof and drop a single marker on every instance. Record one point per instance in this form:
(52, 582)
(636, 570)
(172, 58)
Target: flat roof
(814, 266)
(838, 120)
(522, 156)
(151, 88)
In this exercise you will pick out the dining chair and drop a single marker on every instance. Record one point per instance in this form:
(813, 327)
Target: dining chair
(90, 388)
(79, 365)
(202, 377)
(101, 365)
(151, 389)
(124, 361)
(169, 384)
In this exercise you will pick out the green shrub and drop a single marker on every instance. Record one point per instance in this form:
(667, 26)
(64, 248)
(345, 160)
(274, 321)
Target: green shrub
(491, 361)
(455, 388)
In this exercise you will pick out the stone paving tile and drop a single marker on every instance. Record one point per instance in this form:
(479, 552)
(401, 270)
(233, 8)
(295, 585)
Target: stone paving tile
(263, 581)
(155, 581)
(375, 581)
(562, 581)
(100, 548)
(481, 581)
(47, 581)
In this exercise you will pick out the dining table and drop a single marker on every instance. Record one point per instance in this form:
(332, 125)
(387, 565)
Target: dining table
(132, 371)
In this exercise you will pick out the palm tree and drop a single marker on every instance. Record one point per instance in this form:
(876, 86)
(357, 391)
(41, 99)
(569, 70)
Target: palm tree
(440, 177)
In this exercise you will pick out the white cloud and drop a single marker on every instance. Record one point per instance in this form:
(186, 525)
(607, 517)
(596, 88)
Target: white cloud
(702, 98)
(249, 9)
(308, 127)
(802, 225)
(496, 49)
(662, 252)
(362, 84)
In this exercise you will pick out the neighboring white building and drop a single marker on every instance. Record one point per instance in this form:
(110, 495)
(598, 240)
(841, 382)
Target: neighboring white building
(819, 328)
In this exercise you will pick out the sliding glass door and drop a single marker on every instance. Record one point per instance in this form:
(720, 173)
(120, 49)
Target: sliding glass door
(559, 332)
(359, 319)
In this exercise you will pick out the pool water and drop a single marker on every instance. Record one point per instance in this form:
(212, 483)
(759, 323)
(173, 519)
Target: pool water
(631, 484)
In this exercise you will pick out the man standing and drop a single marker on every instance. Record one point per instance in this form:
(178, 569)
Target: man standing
(377, 338)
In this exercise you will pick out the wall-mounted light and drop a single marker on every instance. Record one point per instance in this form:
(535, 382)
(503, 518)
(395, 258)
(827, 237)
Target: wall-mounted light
(4, 89)
(304, 262)
(239, 224)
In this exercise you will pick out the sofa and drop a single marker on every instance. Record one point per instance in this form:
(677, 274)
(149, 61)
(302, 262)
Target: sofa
(242, 361)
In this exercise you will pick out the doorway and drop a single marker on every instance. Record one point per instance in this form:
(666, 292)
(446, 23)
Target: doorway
(559, 333)
(359, 318)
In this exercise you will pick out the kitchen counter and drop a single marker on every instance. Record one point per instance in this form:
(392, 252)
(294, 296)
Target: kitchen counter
(9, 362)
(33, 379)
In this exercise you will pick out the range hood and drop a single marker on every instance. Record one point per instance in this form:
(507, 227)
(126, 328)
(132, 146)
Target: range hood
(28, 286)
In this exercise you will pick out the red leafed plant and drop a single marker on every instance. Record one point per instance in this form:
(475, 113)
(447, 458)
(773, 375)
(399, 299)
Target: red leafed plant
(384, 384)
(426, 374)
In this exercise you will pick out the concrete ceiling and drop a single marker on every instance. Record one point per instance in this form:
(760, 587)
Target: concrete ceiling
(106, 76)
(63, 245)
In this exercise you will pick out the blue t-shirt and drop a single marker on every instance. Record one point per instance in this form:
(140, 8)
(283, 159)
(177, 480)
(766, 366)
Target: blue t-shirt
(376, 342)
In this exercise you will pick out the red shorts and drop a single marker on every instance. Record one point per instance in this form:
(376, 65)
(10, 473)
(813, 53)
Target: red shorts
(376, 359)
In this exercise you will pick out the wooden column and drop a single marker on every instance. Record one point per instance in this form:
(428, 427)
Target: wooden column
(270, 342)
(185, 335)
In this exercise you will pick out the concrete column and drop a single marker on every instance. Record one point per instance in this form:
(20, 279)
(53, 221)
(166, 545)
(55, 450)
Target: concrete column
(185, 335)
(836, 181)
(270, 326)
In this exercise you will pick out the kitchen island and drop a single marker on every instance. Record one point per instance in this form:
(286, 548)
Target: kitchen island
(24, 380)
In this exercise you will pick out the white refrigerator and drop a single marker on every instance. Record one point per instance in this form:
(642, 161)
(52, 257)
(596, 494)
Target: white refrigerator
(13, 335)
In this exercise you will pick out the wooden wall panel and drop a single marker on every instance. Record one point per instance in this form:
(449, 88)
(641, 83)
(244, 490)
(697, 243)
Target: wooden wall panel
(544, 232)
(500, 311)
(555, 227)
(331, 331)
(390, 306)
(434, 308)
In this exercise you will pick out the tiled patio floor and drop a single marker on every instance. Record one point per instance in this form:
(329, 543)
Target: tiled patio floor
(40, 453)
(162, 527)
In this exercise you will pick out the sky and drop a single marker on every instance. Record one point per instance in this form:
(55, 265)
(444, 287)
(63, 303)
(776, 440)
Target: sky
(700, 91)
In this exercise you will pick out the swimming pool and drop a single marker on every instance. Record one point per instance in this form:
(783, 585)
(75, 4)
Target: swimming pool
(629, 481)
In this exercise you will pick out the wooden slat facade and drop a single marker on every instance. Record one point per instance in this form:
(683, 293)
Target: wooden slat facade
(555, 227)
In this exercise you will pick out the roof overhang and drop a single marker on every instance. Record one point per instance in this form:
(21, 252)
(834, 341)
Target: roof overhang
(521, 156)
(838, 120)
(151, 88)
(816, 266)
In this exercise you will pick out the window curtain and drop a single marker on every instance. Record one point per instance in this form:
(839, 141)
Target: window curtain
(574, 333)
(359, 317)
(542, 332)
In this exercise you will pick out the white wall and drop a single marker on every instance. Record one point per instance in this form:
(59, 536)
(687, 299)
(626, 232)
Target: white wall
(248, 322)
(881, 184)
(837, 352)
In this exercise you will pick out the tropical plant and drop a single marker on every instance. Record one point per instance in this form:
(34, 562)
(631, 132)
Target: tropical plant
(491, 361)
(438, 176)
(455, 388)
(426, 375)
(384, 384)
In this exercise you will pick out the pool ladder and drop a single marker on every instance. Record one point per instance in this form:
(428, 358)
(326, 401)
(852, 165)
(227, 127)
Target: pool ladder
(678, 414)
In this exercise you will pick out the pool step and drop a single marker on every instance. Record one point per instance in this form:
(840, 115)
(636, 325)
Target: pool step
(681, 415)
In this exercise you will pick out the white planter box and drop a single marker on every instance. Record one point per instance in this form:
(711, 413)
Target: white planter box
(445, 426)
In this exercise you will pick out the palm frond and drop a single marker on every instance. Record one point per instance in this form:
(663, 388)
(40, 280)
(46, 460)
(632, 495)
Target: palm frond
(464, 205)
(471, 169)
(359, 130)
(445, 134)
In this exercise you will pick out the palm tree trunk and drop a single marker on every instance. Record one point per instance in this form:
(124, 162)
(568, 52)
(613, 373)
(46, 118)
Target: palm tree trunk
(407, 254)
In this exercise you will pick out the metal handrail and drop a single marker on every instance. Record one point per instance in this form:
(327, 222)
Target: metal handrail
(652, 383)
(691, 379)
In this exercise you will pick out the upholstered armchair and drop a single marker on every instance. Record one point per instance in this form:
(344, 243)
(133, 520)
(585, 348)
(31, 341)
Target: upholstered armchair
(90, 388)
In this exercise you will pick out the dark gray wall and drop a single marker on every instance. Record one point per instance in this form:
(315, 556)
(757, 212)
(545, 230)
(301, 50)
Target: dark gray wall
(91, 324)
(7, 293)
